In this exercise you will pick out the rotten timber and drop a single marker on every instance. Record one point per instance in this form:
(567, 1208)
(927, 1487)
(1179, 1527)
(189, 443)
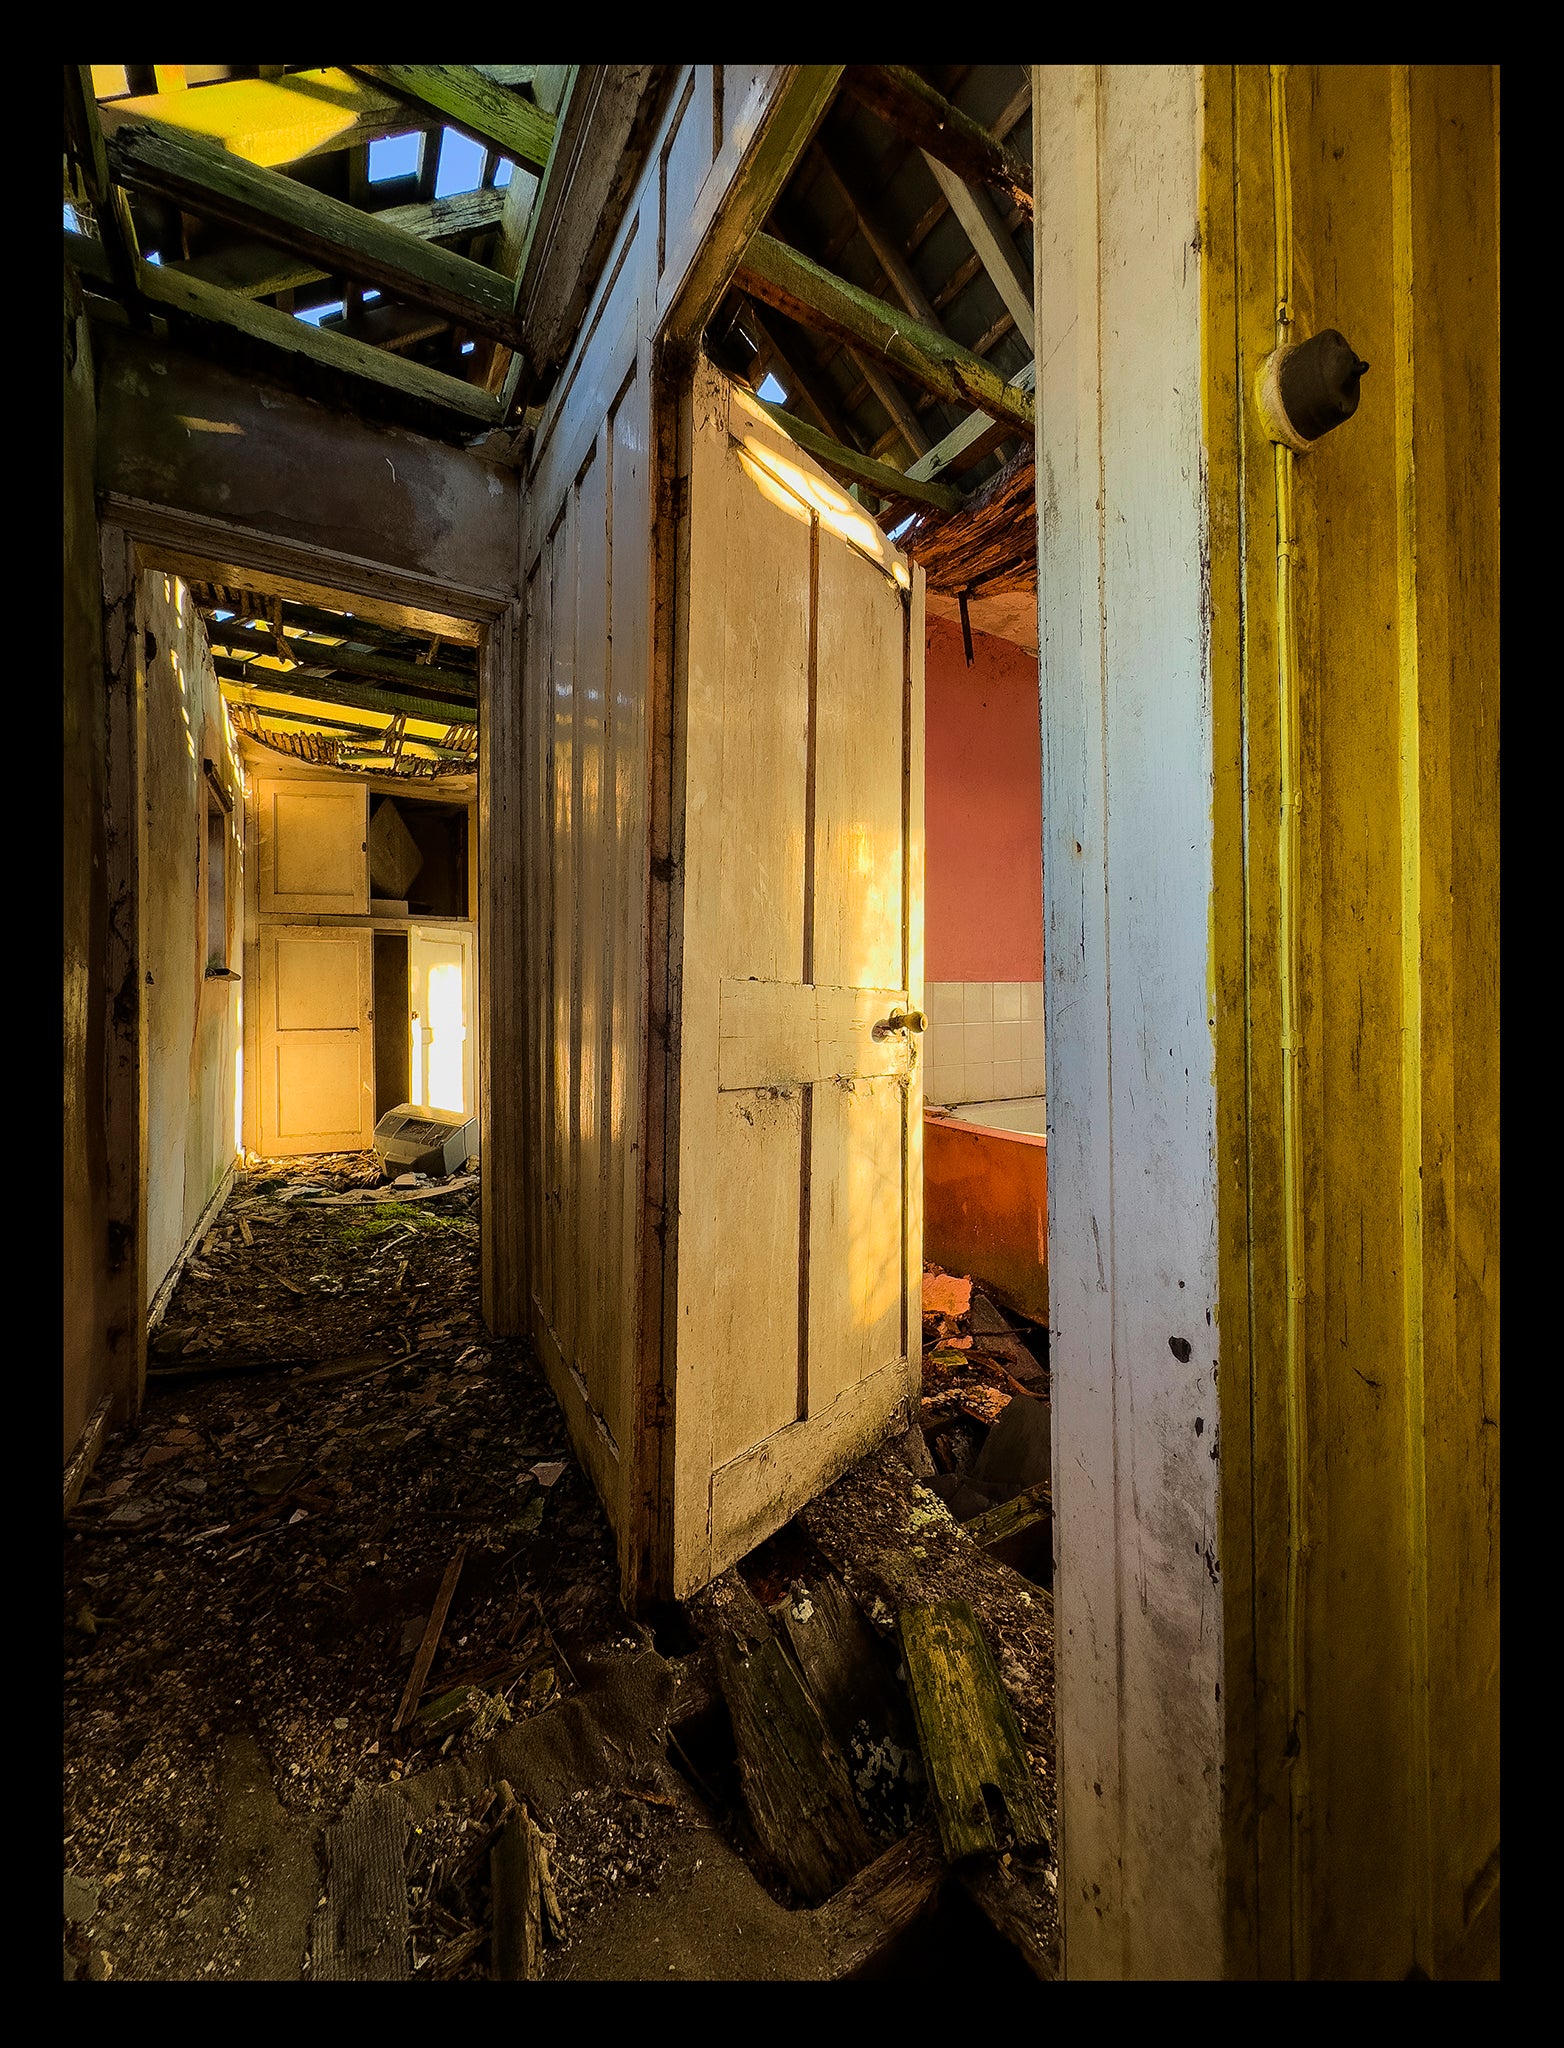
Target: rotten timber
(795, 1780)
(990, 546)
(968, 1732)
(793, 284)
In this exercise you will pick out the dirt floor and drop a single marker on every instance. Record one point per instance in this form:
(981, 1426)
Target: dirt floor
(329, 1434)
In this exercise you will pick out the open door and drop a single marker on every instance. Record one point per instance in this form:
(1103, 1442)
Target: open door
(800, 1098)
(440, 1000)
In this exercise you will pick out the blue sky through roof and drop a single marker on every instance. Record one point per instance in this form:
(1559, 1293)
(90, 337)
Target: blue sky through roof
(461, 164)
(394, 156)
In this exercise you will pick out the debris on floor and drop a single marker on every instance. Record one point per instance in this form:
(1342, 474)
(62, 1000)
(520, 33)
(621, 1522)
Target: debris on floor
(350, 1693)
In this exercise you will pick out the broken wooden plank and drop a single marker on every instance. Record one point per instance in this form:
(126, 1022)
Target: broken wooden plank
(88, 1445)
(522, 1890)
(431, 1637)
(844, 1667)
(360, 1932)
(871, 1913)
(85, 143)
(967, 1728)
(333, 234)
(795, 285)
(880, 477)
(461, 96)
(276, 120)
(1018, 1906)
(794, 1778)
(1011, 1518)
(910, 105)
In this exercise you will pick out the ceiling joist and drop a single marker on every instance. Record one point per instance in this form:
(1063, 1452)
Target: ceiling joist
(924, 117)
(461, 96)
(337, 236)
(362, 696)
(794, 285)
(351, 661)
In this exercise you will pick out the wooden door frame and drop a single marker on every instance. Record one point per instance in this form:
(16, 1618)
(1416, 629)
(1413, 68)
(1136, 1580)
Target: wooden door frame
(136, 538)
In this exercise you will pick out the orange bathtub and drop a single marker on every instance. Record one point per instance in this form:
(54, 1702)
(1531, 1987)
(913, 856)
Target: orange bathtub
(985, 1209)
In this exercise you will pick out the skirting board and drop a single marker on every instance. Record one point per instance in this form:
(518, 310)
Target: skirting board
(187, 1250)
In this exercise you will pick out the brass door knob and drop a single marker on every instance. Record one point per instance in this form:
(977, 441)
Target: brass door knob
(905, 1020)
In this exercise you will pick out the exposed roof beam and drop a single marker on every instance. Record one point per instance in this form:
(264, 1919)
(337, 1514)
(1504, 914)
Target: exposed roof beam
(882, 244)
(275, 120)
(313, 619)
(323, 690)
(339, 353)
(794, 285)
(985, 230)
(927, 119)
(384, 667)
(977, 436)
(461, 96)
(84, 139)
(804, 383)
(888, 393)
(879, 477)
(367, 725)
(256, 270)
(336, 235)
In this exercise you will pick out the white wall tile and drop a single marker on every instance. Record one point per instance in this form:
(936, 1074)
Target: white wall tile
(1031, 1038)
(980, 1042)
(978, 1002)
(1034, 1077)
(978, 1081)
(943, 1001)
(1007, 1040)
(1007, 1001)
(1007, 1079)
(1031, 999)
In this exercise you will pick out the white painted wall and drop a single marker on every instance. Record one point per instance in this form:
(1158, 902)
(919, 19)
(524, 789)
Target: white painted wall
(1127, 794)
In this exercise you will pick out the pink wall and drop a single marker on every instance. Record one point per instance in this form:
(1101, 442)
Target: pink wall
(983, 857)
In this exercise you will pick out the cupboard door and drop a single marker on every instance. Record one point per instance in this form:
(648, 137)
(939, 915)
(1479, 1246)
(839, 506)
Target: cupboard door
(313, 845)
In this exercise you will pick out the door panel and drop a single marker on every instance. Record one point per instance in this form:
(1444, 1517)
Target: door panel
(314, 850)
(317, 1047)
(799, 1154)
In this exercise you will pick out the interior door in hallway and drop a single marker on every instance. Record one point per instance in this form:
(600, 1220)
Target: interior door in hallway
(317, 1091)
(800, 1096)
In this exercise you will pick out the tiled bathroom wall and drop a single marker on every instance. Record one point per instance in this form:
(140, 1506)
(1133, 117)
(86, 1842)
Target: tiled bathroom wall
(984, 1042)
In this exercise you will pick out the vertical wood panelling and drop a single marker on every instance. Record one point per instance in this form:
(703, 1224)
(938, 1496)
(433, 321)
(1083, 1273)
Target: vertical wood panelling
(1126, 808)
(1363, 198)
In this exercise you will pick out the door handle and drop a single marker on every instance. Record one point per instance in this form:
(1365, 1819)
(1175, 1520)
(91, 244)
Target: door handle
(902, 1020)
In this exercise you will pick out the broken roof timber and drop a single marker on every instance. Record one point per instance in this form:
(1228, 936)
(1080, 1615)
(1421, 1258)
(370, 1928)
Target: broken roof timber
(985, 230)
(802, 289)
(458, 94)
(911, 106)
(977, 436)
(204, 180)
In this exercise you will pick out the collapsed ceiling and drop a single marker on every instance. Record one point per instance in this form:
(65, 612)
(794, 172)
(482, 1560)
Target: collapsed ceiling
(386, 236)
